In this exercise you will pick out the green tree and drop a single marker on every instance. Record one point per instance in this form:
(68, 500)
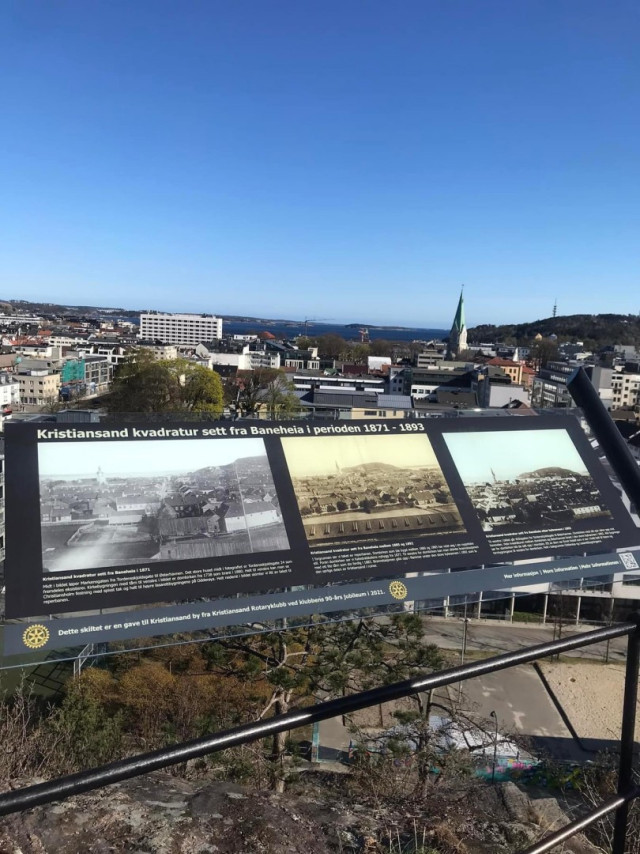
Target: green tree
(331, 345)
(250, 388)
(202, 390)
(359, 353)
(325, 660)
(51, 404)
(381, 347)
(146, 385)
(543, 351)
(279, 659)
(279, 397)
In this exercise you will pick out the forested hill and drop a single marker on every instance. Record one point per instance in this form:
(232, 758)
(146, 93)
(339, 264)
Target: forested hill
(595, 330)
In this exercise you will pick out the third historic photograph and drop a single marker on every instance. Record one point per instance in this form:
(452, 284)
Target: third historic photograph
(355, 486)
(526, 479)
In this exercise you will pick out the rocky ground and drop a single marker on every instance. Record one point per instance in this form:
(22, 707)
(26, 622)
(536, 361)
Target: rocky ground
(160, 814)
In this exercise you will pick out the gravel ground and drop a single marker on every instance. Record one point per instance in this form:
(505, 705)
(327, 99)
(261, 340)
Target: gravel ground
(591, 695)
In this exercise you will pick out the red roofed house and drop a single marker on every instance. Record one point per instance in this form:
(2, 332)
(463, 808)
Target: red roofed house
(512, 369)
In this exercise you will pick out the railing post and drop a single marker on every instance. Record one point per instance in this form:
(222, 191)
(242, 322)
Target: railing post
(627, 737)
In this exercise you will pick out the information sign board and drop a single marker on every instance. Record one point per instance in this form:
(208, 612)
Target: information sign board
(110, 515)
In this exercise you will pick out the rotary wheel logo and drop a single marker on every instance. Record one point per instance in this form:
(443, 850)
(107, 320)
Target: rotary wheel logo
(398, 590)
(35, 636)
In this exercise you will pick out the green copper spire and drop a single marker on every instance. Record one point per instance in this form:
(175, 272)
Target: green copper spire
(458, 334)
(458, 320)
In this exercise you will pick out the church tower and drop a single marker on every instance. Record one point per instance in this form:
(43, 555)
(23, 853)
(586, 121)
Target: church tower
(458, 334)
(100, 477)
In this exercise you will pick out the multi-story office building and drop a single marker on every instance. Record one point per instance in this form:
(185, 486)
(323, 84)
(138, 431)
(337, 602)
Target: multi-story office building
(38, 387)
(421, 382)
(625, 387)
(549, 388)
(184, 329)
(93, 373)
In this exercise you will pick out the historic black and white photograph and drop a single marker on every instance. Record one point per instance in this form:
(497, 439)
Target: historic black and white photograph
(354, 486)
(525, 479)
(122, 503)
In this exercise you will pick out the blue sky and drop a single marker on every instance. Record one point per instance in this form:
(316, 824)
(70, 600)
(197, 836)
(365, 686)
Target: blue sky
(340, 160)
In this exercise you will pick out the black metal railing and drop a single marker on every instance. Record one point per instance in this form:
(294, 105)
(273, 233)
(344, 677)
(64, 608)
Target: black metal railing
(135, 766)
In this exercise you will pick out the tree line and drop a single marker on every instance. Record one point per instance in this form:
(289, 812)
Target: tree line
(595, 330)
(178, 387)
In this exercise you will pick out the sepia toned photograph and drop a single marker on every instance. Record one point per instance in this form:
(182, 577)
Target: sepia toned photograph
(526, 479)
(355, 486)
(122, 503)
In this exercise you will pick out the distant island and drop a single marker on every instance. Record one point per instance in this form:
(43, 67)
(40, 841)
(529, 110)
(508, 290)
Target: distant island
(49, 309)
(232, 318)
(374, 326)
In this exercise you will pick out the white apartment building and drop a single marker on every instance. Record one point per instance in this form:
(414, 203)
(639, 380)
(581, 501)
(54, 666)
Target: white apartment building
(39, 351)
(625, 389)
(66, 340)
(247, 360)
(301, 364)
(185, 329)
(164, 352)
(115, 354)
(9, 391)
(17, 319)
(256, 359)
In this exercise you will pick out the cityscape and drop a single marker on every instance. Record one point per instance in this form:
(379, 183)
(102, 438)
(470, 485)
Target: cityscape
(62, 363)
(110, 518)
(320, 427)
(548, 497)
(558, 491)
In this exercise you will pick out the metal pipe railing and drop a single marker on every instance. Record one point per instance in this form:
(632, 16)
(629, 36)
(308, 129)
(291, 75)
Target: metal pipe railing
(124, 769)
(606, 432)
(577, 826)
(627, 741)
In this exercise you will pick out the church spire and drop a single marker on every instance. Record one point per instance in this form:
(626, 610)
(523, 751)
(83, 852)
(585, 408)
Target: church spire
(458, 334)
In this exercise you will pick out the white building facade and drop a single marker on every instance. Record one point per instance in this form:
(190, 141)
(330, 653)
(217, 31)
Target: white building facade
(185, 329)
(9, 391)
(38, 387)
(625, 388)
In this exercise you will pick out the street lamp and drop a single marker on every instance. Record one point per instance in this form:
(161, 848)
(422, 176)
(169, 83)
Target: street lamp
(493, 715)
(465, 629)
(463, 649)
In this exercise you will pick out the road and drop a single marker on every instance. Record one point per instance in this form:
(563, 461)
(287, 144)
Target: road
(501, 636)
(517, 696)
